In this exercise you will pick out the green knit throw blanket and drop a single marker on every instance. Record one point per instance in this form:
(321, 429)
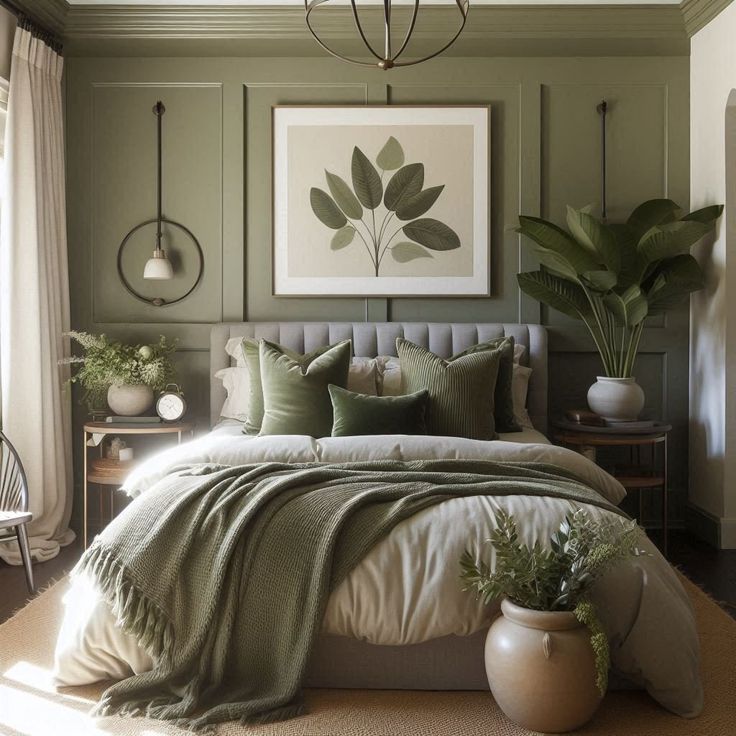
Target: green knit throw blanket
(222, 573)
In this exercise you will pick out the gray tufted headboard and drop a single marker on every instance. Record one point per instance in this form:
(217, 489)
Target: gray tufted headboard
(379, 338)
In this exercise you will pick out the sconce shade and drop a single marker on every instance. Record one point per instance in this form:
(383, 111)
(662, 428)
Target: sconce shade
(158, 267)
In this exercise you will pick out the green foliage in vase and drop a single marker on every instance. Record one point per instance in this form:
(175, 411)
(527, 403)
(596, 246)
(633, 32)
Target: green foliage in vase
(557, 577)
(614, 276)
(107, 362)
(366, 210)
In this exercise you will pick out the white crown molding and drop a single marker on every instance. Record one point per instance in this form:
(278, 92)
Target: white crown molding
(49, 13)
(698, 13)
(123, 29)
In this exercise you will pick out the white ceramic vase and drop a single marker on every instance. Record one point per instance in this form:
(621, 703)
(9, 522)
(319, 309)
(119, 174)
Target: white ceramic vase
(616, 399)
(541, 668)
(130, 400)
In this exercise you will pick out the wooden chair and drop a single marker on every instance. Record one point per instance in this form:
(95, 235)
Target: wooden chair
(14, 513)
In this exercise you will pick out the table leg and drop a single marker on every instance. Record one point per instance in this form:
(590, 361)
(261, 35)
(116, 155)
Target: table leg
(665, 494)
(84, 450)
(588, 451)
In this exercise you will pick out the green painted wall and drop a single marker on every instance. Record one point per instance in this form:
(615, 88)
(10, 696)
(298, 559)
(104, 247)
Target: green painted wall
(545, 154)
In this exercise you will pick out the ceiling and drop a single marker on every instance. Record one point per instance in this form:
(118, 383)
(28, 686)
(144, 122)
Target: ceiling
(103, 3)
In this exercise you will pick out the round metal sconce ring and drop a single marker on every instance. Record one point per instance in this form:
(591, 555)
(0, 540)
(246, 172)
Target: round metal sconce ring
(158, 301)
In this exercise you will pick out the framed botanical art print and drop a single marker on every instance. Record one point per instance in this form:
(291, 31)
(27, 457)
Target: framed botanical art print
(381, 201)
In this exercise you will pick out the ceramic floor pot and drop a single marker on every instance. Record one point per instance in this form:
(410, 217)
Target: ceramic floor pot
(616, 399)
(541, 668)
(130, 400)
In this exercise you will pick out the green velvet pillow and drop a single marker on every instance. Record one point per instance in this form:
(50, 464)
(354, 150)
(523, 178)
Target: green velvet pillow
(295, 395)
(503, 398)
(253, 363)
(461, 389)
(359, 414)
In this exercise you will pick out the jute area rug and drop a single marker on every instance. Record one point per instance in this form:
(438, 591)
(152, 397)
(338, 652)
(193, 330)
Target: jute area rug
(31, 706)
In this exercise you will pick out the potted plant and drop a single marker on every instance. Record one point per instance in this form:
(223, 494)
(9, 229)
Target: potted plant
(547, 655)
(612, 277)
(123, 376)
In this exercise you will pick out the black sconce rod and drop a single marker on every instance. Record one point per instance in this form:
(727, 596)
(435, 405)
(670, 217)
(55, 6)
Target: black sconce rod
(159, 111)
(603, 109)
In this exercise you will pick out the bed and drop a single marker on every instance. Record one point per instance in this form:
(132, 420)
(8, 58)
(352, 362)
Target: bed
(400, 613)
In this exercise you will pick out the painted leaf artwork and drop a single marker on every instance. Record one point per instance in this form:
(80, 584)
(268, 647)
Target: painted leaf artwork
(383, 201)
(382, 210)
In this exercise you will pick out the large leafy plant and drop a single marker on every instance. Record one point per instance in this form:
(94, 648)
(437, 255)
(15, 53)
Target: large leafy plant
(106, 362)
(370, 212)
(612, 277)
(558, 577)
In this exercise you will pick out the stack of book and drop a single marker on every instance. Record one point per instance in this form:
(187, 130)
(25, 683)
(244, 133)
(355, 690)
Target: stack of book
(132, 420)
(591, 419)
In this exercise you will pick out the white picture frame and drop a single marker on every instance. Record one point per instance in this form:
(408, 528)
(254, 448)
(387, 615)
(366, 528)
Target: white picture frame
(427, 234)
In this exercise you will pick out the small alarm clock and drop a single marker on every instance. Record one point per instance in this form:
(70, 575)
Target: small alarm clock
(170, 405)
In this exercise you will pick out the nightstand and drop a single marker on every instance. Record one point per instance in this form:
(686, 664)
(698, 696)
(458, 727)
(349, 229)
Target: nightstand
(586, 439)
(112, 477)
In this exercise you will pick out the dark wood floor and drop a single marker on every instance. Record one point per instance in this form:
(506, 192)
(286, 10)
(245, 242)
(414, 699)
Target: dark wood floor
(13, 591)
(713, 570)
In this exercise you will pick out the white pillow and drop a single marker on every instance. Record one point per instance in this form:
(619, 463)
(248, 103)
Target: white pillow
(364, 372)
(519, 391)
(237, 384)
(234, 348)
(390, 375)
(519, 351)
(363, 378)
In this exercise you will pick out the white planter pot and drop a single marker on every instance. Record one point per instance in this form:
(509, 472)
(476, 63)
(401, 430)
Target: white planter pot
(616, 399)
(130, 401)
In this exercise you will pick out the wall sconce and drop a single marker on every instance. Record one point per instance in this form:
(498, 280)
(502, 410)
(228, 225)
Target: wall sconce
(159, 267)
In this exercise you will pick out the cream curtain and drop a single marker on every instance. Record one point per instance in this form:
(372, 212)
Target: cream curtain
(34, 293)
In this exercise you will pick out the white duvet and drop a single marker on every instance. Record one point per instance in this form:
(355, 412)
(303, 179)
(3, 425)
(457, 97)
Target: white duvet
(406, 590)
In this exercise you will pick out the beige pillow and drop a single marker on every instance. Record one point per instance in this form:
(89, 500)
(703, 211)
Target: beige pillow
(364, 376)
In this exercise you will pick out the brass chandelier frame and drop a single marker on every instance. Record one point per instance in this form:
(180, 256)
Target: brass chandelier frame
(389, 59)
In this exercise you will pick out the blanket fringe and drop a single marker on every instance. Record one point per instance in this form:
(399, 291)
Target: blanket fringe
(135, 613)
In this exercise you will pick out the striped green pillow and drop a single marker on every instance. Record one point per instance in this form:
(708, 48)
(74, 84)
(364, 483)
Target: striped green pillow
(461, 389)
(503, 398)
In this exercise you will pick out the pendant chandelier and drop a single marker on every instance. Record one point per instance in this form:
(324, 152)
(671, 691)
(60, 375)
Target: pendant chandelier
(388, 58)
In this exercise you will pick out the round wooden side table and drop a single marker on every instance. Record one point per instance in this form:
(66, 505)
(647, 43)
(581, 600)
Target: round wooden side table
(586, 439)
(112, 476)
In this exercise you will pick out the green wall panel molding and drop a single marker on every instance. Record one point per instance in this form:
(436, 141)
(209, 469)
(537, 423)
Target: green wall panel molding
(123, 170)
(218, 152)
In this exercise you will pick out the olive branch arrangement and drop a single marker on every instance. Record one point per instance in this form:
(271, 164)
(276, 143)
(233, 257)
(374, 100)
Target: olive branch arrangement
(106, 362)
(352, 211)
(558, 578)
